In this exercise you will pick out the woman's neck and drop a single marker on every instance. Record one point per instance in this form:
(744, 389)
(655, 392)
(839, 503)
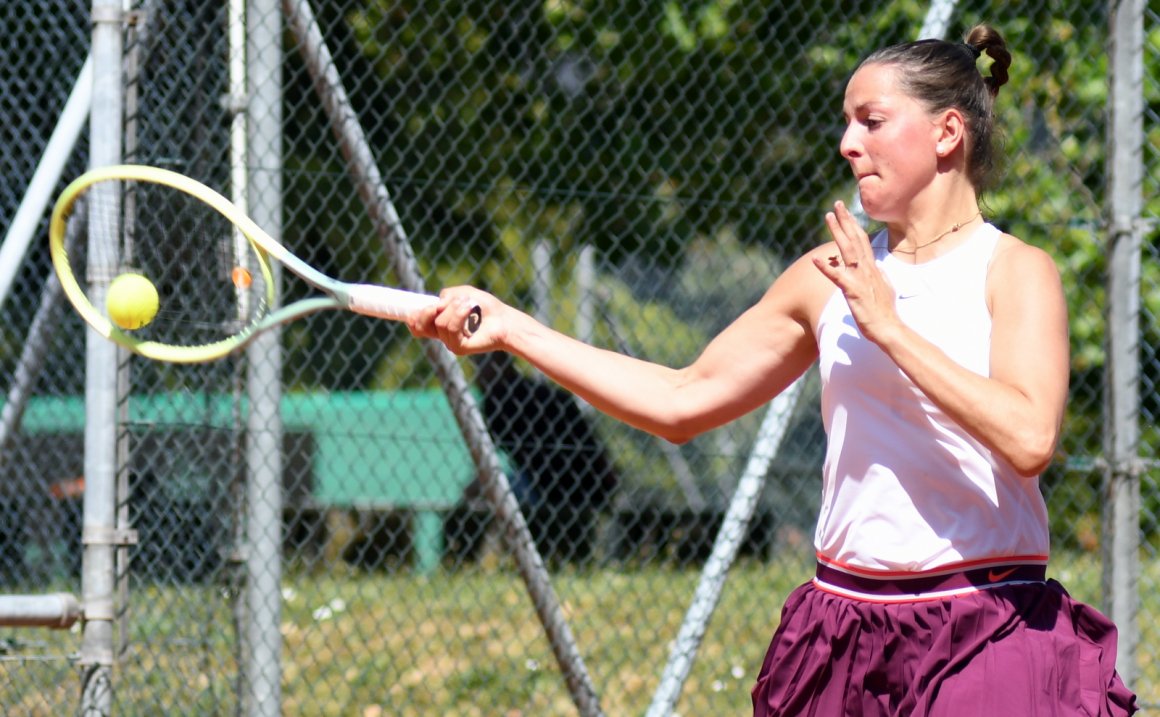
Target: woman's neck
(924, 235)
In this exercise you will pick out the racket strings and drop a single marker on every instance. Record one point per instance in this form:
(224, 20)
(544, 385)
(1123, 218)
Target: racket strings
(206, 278)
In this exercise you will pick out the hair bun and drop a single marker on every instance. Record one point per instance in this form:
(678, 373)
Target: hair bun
(984, 38)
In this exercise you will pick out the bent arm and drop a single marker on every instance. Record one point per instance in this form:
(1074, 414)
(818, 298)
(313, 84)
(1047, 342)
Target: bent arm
(1017, 411)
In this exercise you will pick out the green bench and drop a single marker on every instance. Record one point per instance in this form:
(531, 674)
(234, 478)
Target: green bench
(389, 450)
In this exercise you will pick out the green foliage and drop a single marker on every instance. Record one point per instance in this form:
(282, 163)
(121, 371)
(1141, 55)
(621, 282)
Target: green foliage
(651, 131)
(637, 129)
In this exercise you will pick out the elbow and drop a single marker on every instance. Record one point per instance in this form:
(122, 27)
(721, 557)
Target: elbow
(1033, 453)
(675, 433)
(679, 429)
(1031, 467)
(685, 417)
(678, 439)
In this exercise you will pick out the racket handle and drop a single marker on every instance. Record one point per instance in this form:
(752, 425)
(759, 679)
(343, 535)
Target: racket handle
(396, 304)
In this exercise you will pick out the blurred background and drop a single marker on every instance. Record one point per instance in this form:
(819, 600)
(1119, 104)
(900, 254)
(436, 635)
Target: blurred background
(633, 173)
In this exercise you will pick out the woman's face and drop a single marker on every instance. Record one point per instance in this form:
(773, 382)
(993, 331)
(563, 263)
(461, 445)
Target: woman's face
(890, 142)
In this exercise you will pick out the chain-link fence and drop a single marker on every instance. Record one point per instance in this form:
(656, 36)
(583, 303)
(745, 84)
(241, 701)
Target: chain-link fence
(633, 173)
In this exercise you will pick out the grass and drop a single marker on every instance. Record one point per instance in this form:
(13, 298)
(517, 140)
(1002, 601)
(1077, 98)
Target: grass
(477, 647)
(465, 642)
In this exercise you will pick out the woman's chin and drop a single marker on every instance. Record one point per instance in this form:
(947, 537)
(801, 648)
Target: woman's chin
(875, 210)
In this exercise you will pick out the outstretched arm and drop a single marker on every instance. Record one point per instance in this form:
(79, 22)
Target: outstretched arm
(746, 365)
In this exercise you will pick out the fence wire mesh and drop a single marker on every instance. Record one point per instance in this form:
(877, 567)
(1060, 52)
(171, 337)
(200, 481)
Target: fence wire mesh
(634, 173)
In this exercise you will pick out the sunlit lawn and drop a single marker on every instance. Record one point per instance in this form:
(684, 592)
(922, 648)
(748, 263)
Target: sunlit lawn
(468, 642)
(477, 648)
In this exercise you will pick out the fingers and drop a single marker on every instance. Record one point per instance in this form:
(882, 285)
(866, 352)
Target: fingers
(852, 241)
(836, 262)
(460, 320)
(839, 272)
(425, 322)
(462, 317)
(852, 244)
(421, 322)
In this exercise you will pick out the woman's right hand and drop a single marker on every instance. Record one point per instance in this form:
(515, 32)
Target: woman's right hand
(447, 321)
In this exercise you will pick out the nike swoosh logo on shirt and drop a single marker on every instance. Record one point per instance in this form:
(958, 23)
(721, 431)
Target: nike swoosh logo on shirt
(995, 576)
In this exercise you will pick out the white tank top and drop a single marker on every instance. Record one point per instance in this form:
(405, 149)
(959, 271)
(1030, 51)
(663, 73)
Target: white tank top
(905, 489)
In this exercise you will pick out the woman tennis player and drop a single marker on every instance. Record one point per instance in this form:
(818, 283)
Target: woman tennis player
(943, 352)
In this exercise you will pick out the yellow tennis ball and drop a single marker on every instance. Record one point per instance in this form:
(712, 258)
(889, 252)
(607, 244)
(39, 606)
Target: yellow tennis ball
(132, 301)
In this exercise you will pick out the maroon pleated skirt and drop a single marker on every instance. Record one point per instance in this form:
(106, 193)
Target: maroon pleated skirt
(1025, 650)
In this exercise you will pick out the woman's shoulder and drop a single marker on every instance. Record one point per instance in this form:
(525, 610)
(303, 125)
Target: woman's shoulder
(806, 272)
(804, 289)
(1014, 254)
(801, 289)
(1016, 265)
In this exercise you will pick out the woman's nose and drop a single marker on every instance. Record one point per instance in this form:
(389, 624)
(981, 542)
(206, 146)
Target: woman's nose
(849, 147)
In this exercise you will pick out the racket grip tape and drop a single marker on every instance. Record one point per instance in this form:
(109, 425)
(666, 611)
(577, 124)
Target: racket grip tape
(396, 304)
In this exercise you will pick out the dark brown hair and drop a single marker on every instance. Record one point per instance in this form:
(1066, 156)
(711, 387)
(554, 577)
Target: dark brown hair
(944, 75)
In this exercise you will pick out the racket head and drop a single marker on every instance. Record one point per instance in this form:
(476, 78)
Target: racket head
(208, 260)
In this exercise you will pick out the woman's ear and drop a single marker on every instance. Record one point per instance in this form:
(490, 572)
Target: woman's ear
(951, 131)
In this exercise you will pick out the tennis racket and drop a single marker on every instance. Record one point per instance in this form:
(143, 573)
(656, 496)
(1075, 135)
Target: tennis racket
(209, 262)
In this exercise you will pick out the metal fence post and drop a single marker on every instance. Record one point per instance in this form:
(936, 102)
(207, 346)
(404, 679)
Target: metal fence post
(361, 163)
(98, 579)
(1121, 568)
(261, 638)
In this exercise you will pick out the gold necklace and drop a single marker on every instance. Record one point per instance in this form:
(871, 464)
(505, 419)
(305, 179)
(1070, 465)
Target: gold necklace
(948, 232)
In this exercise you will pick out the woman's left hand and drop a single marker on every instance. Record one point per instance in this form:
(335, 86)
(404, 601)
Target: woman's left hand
(853, 270)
